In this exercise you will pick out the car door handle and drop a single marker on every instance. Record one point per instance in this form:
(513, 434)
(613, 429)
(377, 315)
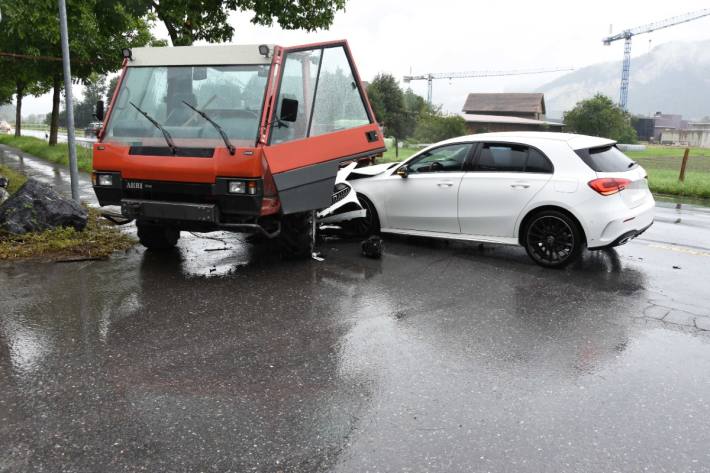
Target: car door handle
(520, 186)
(445, 184)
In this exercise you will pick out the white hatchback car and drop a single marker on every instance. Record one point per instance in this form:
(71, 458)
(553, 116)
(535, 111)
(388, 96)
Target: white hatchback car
(552, 193)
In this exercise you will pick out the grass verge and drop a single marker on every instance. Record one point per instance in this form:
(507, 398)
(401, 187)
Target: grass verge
(16, 179)
(57, 154)
(98, 240)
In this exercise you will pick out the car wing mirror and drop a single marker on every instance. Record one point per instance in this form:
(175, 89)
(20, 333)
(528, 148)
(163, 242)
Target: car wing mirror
(100, 110)
(289, 110)
(402, 172)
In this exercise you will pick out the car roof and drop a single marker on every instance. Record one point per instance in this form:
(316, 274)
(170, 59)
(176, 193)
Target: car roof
(575, 141)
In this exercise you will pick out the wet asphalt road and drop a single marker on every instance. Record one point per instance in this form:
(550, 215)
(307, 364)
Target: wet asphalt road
(438, 357)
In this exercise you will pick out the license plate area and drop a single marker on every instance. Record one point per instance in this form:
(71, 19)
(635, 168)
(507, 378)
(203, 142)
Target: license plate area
(133, 208)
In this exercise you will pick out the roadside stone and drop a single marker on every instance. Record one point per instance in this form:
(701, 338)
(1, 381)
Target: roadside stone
(703, 323)
(4, 194)
(680, 317)
(656, 311)
(36, 207)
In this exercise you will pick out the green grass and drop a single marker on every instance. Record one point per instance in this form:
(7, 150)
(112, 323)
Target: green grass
(98, 240)
(16, 179)
(656, 151)
(57, 154)
(404, 153)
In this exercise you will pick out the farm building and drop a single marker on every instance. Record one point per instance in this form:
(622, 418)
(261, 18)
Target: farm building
(490, 112)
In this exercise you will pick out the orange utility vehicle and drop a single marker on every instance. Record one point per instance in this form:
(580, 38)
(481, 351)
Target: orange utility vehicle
(239, 138)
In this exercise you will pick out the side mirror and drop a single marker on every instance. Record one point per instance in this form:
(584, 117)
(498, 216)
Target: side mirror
(402, 172)
(289, 110)
(100, 110)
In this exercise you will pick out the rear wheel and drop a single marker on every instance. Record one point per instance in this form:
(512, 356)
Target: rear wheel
(157, 237)
(553, 239)
(298, 235)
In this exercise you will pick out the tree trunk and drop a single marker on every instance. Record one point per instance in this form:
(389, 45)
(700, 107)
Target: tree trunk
(54, 123)
(396, 147)
(20, 92)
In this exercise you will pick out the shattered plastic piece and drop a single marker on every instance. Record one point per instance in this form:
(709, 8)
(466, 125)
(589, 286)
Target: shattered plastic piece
(372, 247)
(317, 256)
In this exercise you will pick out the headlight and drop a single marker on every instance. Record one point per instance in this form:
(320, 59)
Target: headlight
(104, 180)
(237, 187)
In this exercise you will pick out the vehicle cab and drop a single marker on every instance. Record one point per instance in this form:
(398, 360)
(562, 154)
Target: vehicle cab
(235, 137)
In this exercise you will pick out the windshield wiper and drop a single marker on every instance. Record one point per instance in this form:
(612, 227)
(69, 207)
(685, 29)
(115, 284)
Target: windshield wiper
(166, 135)
(231, 148)
(631, 164)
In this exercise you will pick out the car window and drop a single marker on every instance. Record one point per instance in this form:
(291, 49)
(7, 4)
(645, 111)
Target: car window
(537, 162)
(499, 157)
(502, 158)
(444, 159)
(606, 159)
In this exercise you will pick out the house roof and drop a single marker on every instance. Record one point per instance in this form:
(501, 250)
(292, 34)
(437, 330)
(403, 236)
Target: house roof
(505, 102)
(482, 118)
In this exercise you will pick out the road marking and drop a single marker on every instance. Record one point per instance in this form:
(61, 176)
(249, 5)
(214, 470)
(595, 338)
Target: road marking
(679, 249)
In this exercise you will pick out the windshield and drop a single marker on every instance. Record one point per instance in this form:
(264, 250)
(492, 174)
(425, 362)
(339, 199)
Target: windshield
(232, 96)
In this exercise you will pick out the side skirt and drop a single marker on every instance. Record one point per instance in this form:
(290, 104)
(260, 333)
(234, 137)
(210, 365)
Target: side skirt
(453, 236)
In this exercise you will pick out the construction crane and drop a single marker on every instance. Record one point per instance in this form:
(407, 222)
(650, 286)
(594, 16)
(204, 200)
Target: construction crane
(626, 35)
(429, 77)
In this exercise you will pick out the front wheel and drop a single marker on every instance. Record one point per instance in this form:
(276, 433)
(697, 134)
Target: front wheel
(552, 239)
(157, 237)
(368, 225)
(298, 235)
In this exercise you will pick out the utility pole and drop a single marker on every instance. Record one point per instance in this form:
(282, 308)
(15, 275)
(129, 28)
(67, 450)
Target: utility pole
(73, 169)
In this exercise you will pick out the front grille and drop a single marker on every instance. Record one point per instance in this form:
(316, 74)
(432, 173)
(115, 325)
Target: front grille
(171, 192)
(340, 195)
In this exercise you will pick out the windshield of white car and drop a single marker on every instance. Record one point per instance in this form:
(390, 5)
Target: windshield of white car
(606, 159)
(232, 96)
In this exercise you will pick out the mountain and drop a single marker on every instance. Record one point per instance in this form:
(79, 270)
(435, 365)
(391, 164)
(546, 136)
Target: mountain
(671, 78)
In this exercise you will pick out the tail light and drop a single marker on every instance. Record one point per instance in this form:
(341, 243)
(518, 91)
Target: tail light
(609, 185)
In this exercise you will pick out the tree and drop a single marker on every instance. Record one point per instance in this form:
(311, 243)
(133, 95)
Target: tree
(188, 21)
(387, 102)
(599, 116)
(434, 126)
(18, 76)
(98, 30)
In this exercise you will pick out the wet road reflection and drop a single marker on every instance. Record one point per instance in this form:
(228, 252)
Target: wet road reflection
(435, 358)
(440, 357)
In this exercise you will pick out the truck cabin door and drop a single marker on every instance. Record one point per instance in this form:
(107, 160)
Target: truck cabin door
(317, 116)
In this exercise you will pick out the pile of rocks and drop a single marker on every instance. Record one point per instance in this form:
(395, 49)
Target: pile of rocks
(36, 207)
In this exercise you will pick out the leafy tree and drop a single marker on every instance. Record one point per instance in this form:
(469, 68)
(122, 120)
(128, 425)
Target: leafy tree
(19, 77)
(188, 21)
(387, 102)
(600, 116)
(98, 30)
(434, 126)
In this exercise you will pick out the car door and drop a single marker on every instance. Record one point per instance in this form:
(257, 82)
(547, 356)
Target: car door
(501, 180)
(426, 199)
(333, 122)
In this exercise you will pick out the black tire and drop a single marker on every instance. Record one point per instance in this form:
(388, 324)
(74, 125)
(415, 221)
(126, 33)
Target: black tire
(365, 227)
(553, 239)
(298, 235)
(157, 237)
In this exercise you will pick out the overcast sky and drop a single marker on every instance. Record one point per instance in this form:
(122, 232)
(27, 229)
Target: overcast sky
(396, 36)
